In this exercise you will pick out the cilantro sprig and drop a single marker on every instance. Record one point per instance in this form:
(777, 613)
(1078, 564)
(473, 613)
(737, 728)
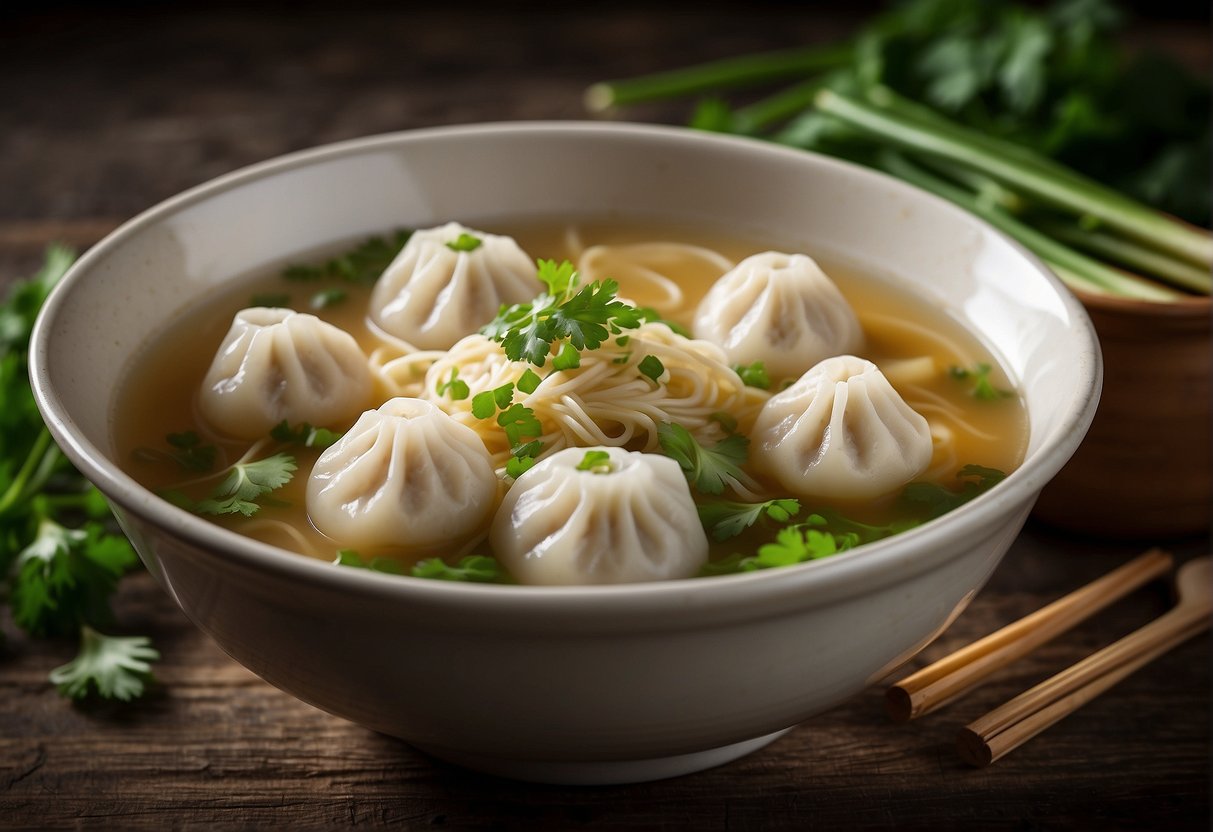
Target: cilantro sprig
(60, 556)
(709, 470)
(725, 519)
(477, 569)
(245, 484)
(581, 316)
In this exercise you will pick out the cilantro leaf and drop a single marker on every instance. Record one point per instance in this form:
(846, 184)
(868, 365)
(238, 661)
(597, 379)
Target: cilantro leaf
(753, 375)
(983, 389)
(567, 359)
(724, 519)
(516, 466)
(246, 483)
(584, 318)
(328, 298)
(519, 423)
(349, 557)
(64, 577)
(471, 569)
(457, 389)
(651, 367)
(363, 264)
(305, 434)
(936, 500)
(529, 381)
(464, 243)
(596, 462)
(709, 470)
(112, 667)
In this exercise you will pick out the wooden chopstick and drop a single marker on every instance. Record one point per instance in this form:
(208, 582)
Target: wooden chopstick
(946, 679)
(1009, 726)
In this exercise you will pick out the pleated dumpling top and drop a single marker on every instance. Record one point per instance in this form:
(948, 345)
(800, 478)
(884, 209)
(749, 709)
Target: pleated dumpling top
(277, 364)
(449, 281)
(841, 431)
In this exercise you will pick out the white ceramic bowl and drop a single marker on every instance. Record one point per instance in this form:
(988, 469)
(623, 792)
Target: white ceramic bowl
(586, 684)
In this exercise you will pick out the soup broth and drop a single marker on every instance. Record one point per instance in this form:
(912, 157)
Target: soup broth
(930, 359)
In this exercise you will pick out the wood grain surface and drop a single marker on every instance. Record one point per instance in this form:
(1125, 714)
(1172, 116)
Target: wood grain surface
(105, 114)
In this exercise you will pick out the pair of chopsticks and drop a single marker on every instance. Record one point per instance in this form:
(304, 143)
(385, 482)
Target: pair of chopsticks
(1009, 726)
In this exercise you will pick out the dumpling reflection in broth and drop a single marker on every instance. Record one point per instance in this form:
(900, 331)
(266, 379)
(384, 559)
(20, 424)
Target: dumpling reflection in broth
(841, 431)
(406, 476)
(780, 309)
(277, 364)
(449, 281)
(627, 518)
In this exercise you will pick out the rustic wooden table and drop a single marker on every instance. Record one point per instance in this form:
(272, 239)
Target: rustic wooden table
(106, 114)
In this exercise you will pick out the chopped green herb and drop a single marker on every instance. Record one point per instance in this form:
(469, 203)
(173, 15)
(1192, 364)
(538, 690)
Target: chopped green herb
(246, 483)
(465, 242)
(651, 367)
(937, 500)
(529, 381)
(596, 462)
(709, 470)
(520, 424)
(503, 395)
(484, 405)
(726, 420)
(458, 390)
(351, 558)
(190, 453)
(725, 519)
(112, 667)
(585, 317)
(471, 569)
(363, 264)
(567, 359)
(328, 298)
(305, 435)
(274, 300)
(622, 340)
(516, 466)
(983, 389)
(754, 375)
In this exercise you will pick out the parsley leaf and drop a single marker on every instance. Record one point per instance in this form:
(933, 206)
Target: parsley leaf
(709, 470)
(113, 667)
(246, 483)
(457, 389)
(479, 569)
(724, 519)
(567, 359)
(465, 242)
(753, 375)
(516, 466)
(529, 381)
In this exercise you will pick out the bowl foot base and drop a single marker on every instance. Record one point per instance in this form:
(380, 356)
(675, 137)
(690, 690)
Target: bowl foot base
(603, 772)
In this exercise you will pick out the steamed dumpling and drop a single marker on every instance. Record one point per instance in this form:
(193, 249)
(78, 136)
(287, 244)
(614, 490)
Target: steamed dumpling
(407, 476)
(841, 431)
(780, 309)
(629, 519)
(277, 364)
(432, 294)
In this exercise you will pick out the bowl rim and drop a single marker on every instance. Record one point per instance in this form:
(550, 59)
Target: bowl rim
(874, 564)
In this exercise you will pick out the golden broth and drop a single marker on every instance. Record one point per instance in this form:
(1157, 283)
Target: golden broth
(159, 396)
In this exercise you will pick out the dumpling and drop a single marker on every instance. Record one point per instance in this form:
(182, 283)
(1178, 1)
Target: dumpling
(449, 281)
(407, 476)
(278, 364)
(841, 431)
(780, 309)
(626, 519)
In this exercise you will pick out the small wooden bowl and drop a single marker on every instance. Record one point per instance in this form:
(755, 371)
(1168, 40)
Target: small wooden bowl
(1145, 467)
